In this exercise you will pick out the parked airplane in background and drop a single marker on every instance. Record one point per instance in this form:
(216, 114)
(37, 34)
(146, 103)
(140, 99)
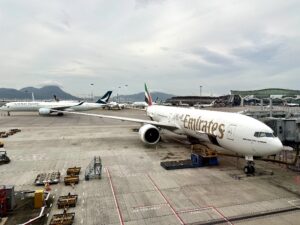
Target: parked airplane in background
(292, 104)
(115, 105)
(47, 108)
(139, 105)
(238, 133)
(205, 105)
(102, 102)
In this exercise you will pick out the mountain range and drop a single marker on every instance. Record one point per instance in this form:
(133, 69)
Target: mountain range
(47, 92)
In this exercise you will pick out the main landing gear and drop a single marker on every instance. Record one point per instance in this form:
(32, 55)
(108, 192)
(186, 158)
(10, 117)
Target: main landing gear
(249, 168)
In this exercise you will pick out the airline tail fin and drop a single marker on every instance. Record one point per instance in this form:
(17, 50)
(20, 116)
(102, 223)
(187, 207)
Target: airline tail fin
(56, 98)
(148, 98)
(105, 98)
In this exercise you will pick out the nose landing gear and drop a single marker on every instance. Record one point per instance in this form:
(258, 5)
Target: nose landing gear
(249, 168)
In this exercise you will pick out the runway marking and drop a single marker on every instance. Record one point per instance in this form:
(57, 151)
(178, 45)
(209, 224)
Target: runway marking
(295, 203)
(176, 213)
(148, 207)
(166, 201)
(194, 210)
(115, 198)
(221, 214)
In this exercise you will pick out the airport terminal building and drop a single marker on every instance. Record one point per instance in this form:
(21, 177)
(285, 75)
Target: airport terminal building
(279, 96)
(267, 93)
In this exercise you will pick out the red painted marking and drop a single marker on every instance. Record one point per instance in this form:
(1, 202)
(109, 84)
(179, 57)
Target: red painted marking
(297, 180)
(166, 200)
(115, 198)
(221, 214)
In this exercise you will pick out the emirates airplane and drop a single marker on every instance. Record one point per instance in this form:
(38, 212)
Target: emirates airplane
(226, 131)
(59, 107)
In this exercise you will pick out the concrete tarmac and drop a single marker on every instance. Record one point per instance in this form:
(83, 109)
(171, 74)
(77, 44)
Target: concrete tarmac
(135, 189)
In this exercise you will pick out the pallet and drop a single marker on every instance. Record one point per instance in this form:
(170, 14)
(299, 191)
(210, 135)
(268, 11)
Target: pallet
(71, 179)
(180, 164)
(67, 201)
(73, 170)
(50, 178)
(62, 219)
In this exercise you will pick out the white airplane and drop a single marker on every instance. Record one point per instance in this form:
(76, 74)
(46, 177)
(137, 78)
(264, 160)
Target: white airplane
(237, 133)
(139, 104)
(101, 103)
(115, 105)
(205, 105)
(47, 108)
(292, 104)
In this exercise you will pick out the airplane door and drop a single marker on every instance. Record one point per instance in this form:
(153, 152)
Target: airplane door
(230, 132)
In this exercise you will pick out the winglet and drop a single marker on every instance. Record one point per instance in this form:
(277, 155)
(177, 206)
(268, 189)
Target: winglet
(80, 103)
(148, 98)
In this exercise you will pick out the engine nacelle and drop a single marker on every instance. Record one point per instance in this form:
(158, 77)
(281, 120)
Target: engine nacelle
(44, 111)
(149, 134)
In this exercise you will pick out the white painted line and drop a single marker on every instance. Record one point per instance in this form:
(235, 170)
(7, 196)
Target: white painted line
(293, 203)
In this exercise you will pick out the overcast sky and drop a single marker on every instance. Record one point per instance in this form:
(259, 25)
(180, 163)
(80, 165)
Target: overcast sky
(174, 46)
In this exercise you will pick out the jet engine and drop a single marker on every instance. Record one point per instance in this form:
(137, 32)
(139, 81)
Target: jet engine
(149, 134)
(44, 111)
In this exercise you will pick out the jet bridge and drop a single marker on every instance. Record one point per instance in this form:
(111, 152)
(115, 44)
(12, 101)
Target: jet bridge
(288, 131)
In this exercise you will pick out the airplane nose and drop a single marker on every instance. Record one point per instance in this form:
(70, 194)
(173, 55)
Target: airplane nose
(277, 146)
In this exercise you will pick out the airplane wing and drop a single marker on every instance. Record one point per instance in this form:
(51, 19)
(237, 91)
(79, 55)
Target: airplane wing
(61, 108)
(128, 119)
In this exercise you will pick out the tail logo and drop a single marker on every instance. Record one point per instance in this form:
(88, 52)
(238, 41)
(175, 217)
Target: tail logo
(148, 98)
(105, 98)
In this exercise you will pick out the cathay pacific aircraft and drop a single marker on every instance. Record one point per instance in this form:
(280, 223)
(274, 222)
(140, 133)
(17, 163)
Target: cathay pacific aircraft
(237, 133)
(47, 108)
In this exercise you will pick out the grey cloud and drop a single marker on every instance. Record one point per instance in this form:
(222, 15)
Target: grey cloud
(144, 3)
(262, 53)
(165, 43)
(212, 56)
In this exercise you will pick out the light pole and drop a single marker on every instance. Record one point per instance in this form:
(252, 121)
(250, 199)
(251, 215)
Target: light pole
(118, 96)
(126, 85)
(92, 96)
(200, 90)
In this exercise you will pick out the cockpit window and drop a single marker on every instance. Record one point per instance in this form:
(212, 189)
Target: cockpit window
(263, 134)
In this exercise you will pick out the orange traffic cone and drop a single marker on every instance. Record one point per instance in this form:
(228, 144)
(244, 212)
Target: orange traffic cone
(47, 186)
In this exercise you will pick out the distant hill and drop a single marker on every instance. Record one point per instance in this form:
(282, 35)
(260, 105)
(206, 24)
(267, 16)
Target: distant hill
(139, 97)
(45, 92)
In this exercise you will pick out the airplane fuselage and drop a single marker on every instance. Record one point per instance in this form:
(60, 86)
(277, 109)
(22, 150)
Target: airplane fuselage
(31, 106)
(36, 106)
(239, 133)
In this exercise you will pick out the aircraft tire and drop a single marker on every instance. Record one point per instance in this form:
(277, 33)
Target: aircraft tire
(246, 169)
(249, 169)
(252, 169)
